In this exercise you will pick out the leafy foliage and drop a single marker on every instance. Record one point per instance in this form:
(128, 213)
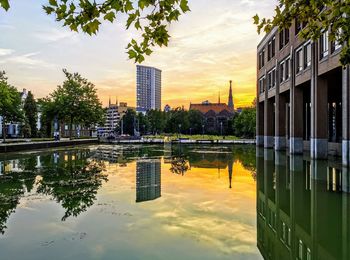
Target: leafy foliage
(76, 101)
(10, 103)
(319, 15)
(150, 17)
(244, 124)
(129, 122)
(31, 113)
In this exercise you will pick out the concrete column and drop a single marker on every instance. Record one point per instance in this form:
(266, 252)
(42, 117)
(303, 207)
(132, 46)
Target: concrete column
(280, 125)
(319, 119)
(319, 110)
(260, 124)
(280, 111)
(296, 145)
(296, 121)
(268, 118)
(268, 124)
(346, 116)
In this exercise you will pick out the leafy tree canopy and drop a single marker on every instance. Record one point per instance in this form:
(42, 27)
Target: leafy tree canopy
(319, 15)
(76, 101)
(31, 113)
(150, 17)
(10, 102)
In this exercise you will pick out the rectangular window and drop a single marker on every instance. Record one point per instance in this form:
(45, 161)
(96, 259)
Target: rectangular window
(273, 47)
(284, 38)
(298, 26)
(324, 45)
(335, 46)
(307, 55)
(262, 85)
(271, 76)
(261, 59)
(281, 39)
(287, 69)
(269, 50)
(282, 71)
(299, 60)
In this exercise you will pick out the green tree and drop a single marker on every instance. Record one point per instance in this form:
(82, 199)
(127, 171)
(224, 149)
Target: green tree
(319, 15)
(31, 113)
(195, 118)
(26, 129)
(144, 123)
(156, 121)
(244, 124)
(10, 103)
(48, 112)
(129, 122)
(177, 121)
(76, 102)
(150, 17)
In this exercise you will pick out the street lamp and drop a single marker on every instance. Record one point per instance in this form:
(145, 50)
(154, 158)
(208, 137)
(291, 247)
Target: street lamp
(221, 127)
(179, 130)
(203, 129)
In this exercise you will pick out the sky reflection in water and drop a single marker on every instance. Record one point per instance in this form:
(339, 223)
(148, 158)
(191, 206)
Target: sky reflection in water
(129, 203)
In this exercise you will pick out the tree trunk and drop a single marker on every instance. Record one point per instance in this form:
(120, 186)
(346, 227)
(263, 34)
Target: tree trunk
(3, 129)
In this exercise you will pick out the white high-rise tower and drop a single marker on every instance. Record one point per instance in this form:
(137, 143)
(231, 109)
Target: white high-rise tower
(149, 88)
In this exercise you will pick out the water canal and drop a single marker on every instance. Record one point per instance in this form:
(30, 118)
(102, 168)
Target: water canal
(180, 202)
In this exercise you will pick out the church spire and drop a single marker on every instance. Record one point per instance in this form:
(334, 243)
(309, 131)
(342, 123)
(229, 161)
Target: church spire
(109, 101)
(219, 98)
(230, 98)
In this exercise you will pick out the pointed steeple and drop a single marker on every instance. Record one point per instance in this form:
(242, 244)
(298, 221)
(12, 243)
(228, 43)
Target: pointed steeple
(109, 101)
(230, 168)
(219, 101)
(116, 101)
(230, 98)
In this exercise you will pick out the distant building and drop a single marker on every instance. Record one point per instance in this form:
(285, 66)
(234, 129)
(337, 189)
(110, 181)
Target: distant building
(216, 115)
(148, 180)
(114, 115)
(167, 108)
(148, 88)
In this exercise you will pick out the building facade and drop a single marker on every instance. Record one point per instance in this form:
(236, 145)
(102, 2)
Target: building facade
(302, 95)
(148, 180)
(148, 88)
(114, 115)
(216, 115)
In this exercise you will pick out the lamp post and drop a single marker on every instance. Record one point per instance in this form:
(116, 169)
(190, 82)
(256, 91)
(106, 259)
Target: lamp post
(202, 129)
(179, 130)
(221, 128)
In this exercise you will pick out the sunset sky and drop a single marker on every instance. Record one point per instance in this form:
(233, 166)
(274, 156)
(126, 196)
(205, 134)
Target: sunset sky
(212, 44)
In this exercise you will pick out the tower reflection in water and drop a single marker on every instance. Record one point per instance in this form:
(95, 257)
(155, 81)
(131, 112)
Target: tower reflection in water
(303, 208)
(148, 180)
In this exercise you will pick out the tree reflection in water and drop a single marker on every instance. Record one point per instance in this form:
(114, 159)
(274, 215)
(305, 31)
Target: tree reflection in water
(179, 165)
(69, 177)
(74, 186)
(12, 188)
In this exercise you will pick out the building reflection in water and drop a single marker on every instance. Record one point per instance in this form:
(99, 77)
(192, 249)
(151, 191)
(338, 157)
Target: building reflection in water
(148, 180)
(303, 208)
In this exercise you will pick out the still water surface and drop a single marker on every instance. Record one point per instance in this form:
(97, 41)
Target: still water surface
(159, 202)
